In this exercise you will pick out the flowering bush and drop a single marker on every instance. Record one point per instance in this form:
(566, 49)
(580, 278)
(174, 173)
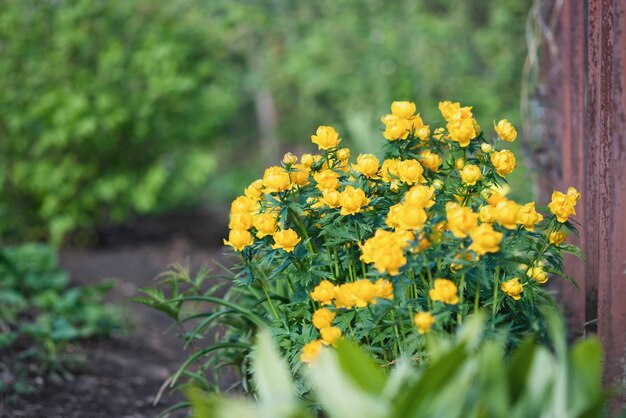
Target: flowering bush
(386, 250)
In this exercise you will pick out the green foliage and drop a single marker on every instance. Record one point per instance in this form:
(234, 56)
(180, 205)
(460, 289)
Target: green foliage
(465, 376)
(40, 315)
(106, 109)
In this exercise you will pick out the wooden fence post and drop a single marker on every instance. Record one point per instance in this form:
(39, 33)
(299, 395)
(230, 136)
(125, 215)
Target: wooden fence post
(588, 82)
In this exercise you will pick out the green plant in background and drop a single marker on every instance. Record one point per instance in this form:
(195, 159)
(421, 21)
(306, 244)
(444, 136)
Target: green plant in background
(40, 315)
(383, 251)
(106, 109)
(464, 375)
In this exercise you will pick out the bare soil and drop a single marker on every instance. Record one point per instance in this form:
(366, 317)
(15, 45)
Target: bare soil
(121, 376)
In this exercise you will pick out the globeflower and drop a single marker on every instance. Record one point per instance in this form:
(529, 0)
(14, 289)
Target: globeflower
(343, 154)
(330, 198)
(395, 127)
(420, 195)
(507, 213)
(330, 335)
(557, 238)
(403, 109)
(449, 109)
(239, 239)
(276, 179)
(461, 219)
(538, 274)
(487, 214)
(326, 180)
(430, 160)
(243, 204)
(513, 288)
(383, 289)
(563, 205)
(411, 216)
(528, 216)
(462, 130)
(419, 129)
(265, 224)
(286, 239)
(423, 321)
(352, 200)
(255, 190)
(505, 130)
(289, 158)
(299, 174)
(324, 292)
(485, 239)
(503, 161)
(323, 318)
(386, 251)
(389, 170)
(367, 164)
(240, 221)
(410, 171)
(311, 351)
(470, 174)
(326, 137)
(444, 291)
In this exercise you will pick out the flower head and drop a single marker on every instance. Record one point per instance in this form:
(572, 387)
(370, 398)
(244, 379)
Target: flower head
(330, 335)
(323, 318)
(324, 292)
(326, 137)
(485, 239)
(528, 216)
(367, 164)
(352, 200)
(311, 351)
(538, 274)
(403, 110)
(410, 171)
(563, 205)
(423, 321)
(513, 288)
(470, 174)
(276, 179)
(503, 161)
(444, 291)
(239, 239)
(286, 239)
(505, 130)
(461, 219)
(265, 224)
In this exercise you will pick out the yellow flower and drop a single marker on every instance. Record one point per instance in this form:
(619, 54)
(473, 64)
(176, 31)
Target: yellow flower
(487, 214)
(344, 297)
(311, 351)
(537, 274)
(423, 321)
(326, 180)
(254, 190)
(462, 130)
(389, 170)
(330, 198)
(240, 221)
(419, 129)
(383, 289)
(562, 205)
(503, 161)
(449, 109)
(276, 179)
(470, 174)
(485, 239)
(459, 164)
(324, 292)
(265, 224)
(286, 239)
(420, 195)
(386, 250)
(444, 291)
(573, 194)
(495, 197)
(323, 318)
(307, 160)
(330, 335)
(528, 216)
(326, 137)
(364, 292)
(392, 216)
(439, 134)
(557, 238)
(411, 216)
(395, 127)
(239, 239)
(461, 219)
(352, 200)
(243, 204)
(403, 110)
(505, 130)
(430, 160)
(300, 174)
(513, 288)
(506, 213)
(367, 164)
(289, 158)
(410, 171)
(343, 154)
(486, 148)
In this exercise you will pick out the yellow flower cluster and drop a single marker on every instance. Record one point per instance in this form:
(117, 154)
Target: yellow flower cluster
(402, 122)
(563, 204)
(357, 294)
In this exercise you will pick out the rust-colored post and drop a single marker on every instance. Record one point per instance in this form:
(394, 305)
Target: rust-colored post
(589, 108)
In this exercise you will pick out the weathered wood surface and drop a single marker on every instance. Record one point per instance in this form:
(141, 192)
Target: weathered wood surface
(587, 83)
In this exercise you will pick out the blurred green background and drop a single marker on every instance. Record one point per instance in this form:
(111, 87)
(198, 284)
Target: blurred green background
(121, 108)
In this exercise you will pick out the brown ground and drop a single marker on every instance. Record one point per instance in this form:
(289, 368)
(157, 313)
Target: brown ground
(122, 375)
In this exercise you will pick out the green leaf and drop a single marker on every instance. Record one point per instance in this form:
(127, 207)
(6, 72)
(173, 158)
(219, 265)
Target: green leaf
(358, 365)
